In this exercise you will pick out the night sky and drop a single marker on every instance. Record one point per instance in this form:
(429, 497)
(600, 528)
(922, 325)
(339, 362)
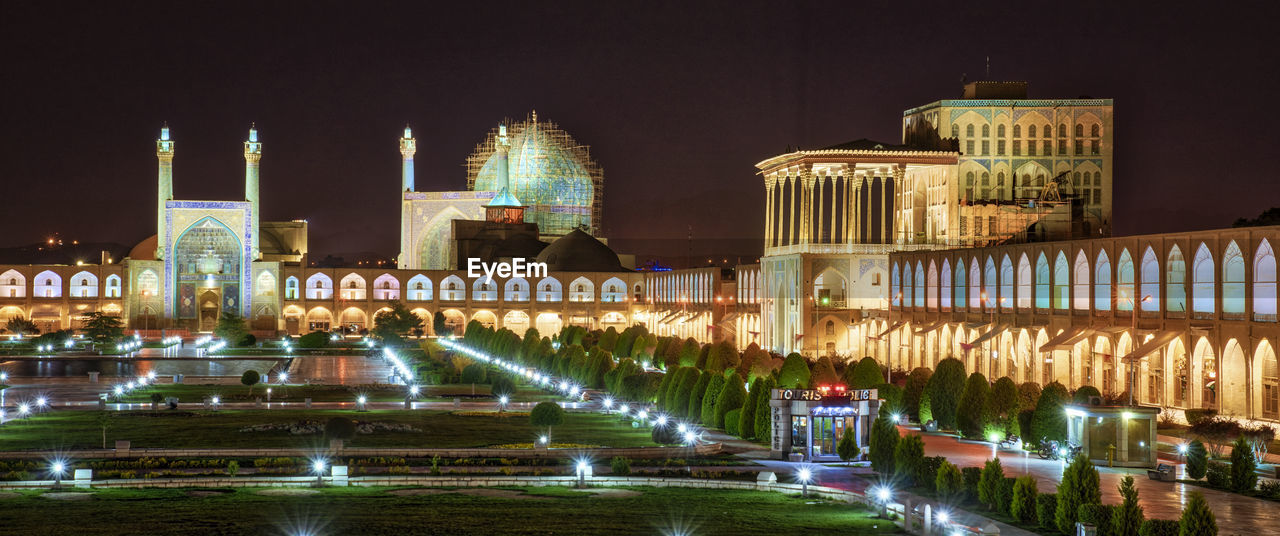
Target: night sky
(678, 101)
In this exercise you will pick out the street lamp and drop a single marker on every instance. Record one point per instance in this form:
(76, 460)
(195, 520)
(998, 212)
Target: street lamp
(318, 466)
(57, 469)
(804, 476)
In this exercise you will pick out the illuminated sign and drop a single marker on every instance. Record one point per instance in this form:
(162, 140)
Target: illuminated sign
(816, 395)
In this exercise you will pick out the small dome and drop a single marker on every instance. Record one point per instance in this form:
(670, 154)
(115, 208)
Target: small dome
(145, 250)
(580, 252)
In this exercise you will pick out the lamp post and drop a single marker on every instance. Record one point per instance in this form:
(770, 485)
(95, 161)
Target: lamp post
(804, 475)
(1134, 333)
(318, 467)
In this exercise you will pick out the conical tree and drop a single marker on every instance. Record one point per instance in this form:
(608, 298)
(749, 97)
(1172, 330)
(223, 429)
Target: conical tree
(1079, 486)
(971, 418)
(1127, 518)
(764, 427)
(731, 397)
(883, 441)
(944, 389)
(708, 413)
(794, 373)
(747, 417)
(694, 409)
(865, 374)
(1197, 519)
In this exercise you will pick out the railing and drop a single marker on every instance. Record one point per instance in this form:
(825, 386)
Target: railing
(1200, 315)
(1260, 317)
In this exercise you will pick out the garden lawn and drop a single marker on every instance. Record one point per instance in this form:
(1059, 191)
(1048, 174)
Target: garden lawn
(81, 429)
(377, 511)
(196, 393)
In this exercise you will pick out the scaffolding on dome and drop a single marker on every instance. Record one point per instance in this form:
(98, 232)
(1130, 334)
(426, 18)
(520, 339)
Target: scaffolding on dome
(550, 173)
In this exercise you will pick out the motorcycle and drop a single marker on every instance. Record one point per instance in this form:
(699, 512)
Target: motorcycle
(1010, 442)
(1052, 450)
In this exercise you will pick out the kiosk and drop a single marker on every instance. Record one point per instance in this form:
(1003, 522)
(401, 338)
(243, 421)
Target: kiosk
(809, 423)
(1124, 436)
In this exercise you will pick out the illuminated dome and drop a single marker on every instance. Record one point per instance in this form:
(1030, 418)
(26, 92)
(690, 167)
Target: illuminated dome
(550, 173)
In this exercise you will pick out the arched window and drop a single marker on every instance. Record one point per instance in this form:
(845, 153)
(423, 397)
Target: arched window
(986, 131)
(1061, 282)
(955, 131)
(1175, 287)
(1080, 283)
(1024, 282)
(975, 284)
(1006, 283)
(321, 287)
(1000, 131)
(1031, 131)
(386, 287)
(549, 290)
(484, 289)
(1079, 130)
(989, 287)
(960, 285)
(113, 286)
(1124, 282)
(48, 285)
(931, 286)
(1102, 282)
(419, 288)
(919, 292)
(452, 289)
(352, 287)
(895, 286)
(1264, 283)
(945, 278)
(1044, 286)
(1095, 130)
(1017, 131)
(1202, 274)
(906, 285)
(148, 284)
(968, 130)
(1150, 281)
(84, 285)
(1062, 130)
(291, 288)
(265, 285)
(1233, 280)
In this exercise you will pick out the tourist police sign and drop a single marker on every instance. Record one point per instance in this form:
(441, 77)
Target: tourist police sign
(815, 395)
(806, 423)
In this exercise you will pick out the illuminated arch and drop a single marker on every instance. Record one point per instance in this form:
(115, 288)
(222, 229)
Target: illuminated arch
(84, 285)
(1150, 272)
(486, 318)
(13, 284)
(419, 288)
(265, 285)
(613, 290)
(548, 323)
(47, 284)
(1264, 283)
(319, 287)
(113, 286)
(1202, 281)
(516, 289)
(1233, 280)
(582, 290)
(148, 283)
(1102, 282)
(352, 287)
(433, 248)
(1080, 283)
(291, 288)
(1006, 283)
(944, 279)
(549, 291)
(386, 288)
(485, 289)
(452, 288)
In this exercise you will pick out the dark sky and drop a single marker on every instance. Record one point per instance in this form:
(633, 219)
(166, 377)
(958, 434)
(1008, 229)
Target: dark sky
(677, 101)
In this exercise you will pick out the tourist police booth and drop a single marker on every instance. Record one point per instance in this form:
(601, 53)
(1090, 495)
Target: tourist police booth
(808, 423)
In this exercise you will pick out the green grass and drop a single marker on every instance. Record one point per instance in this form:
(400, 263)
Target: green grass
(376, 511)
(319, 393)
(80, 429)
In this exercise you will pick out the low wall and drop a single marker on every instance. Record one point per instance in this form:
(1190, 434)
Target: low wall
(708, 449)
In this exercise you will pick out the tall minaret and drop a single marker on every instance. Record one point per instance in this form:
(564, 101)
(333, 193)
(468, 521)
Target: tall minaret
(164, 153)
(252, 154)
(504, 208)
(407, 147)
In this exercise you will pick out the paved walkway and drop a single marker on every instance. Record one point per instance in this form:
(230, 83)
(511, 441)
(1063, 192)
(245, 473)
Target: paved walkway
(1236, 514)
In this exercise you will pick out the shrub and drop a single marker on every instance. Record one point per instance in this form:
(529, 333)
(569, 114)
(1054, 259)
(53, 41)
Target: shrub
(694, 409)
(989, 483)
(1046, 510)
(949, 483)
(708, 413)
(824, 373)
(1079, 486)
(883, 441)
(1005, 497)
(926, 410)
(909, 462)
(1127, 517)
(665, 435)
(1023, 504)
(233, 467)
(474, 373)
(247, 340)
(1198, 415)
(847, 448)
(1197, 519)
(315, 339)
(731, 397)
(971, 418)
(944, 388)
(684, 392)
(1028, 395)
(502, 385)
(794, 373)
(1217, 432)
(548, 414)
(1218, 475)
(764, 426)
(1025, 417)
(972, 476)
(914, 390)
(747, 417)
(1197, 459)
(732, 421)
(1098, 515)
(892, 396)
(340, 428)
(1269, 489)
(250, 378)
(1243, 477)
(1159, 527)
(863, 375)
(1082, 395)
(620, 465)
(1050, 419)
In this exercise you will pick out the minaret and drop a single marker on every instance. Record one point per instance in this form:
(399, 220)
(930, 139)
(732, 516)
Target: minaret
(504, 208)
(164, 153)
(407, 147)
(252, 154)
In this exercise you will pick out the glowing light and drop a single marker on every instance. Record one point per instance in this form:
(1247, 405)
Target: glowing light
(896, 418)
(1127, 414)
(642, 414)
(58, 468)
(607, 403)
(542, 440)
(502, 400)
(804, 475)
(883, 493)
(1062, 452)
(23, 409)
(283, 377)
(993, 437)
(215, 400)
(42, 402)
(624, 409)
(318, 466)
(682, 428)
(414, 390)
(943, 516)
(1182, 449)
(119, 390)
(361, 399)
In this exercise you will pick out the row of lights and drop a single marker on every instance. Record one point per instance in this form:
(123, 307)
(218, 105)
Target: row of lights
(687, 433)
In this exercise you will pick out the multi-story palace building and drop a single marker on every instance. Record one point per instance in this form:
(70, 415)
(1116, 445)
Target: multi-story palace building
(991, 167)
(1204, 334)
